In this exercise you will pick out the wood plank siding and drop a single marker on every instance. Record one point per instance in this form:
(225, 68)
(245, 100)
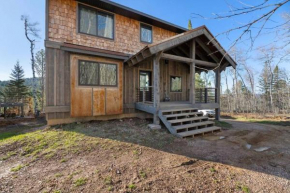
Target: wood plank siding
(58, 77)
(89, 101)
(167, 69)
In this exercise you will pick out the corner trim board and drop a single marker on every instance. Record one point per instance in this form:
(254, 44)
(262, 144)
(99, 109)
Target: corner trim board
(46, 18)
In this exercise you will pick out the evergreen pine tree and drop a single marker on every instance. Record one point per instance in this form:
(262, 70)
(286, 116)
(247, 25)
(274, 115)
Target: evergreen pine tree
(16, 90)
(199, 82)
(276, 80)
(265, 79)
(189, 25)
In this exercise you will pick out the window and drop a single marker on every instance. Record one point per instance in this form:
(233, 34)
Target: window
(146, 33)
(96, 23)
(108, 74)
(97, 74)
(175, 84)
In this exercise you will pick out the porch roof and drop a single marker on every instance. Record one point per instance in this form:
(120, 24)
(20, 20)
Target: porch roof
(208, 50)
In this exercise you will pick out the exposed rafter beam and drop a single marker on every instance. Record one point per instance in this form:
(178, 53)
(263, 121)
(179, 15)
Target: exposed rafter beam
(178, 52)
(207, 50)
(223, 67)
(176, 58)
(183, 50)
(197, 52)
(218, 46)
(188, 60)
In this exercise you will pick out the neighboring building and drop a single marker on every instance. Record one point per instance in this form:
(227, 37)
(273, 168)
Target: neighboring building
(107, 61)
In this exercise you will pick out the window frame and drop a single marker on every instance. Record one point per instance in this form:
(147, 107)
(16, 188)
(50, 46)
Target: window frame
(171, 84)
(97, 85)
(97, 12)
(148, 27)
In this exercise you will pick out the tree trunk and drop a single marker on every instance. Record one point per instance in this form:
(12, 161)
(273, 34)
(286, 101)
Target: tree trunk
(34, 78)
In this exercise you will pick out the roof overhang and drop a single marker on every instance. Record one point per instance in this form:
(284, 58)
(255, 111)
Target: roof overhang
(206, 43)
(134, 14)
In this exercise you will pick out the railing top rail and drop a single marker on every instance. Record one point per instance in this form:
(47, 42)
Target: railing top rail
(205, 88)
(145, 87)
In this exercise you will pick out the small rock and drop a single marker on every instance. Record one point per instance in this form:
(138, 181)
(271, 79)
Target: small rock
(248, 146)
(273, 164)
(121, 120)
(118, 172)
(154, 126)
(222, 137)
(260, 149)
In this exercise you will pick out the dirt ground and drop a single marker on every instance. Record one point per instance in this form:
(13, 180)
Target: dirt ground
(15, 121)
(125, 156)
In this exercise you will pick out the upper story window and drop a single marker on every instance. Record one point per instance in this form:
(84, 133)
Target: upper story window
(97, 74)
(94, 22)
(146, 34)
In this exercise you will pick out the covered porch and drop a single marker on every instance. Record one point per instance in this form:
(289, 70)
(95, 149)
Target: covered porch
(170, 82)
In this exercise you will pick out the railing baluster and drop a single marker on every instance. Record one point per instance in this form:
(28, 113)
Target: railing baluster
(206, 95)
(215, 95)
(145, 94)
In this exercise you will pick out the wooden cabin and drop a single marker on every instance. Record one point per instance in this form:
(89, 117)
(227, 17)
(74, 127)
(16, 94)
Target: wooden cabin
(107, 61)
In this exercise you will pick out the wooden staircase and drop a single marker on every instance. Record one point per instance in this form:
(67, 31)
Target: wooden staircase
(187, 122)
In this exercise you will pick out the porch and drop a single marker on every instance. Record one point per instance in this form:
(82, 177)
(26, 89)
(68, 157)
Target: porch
(205, 98)
(166, 81)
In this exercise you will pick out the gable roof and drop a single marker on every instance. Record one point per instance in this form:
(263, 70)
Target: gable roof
(134, 14)
(216, 50)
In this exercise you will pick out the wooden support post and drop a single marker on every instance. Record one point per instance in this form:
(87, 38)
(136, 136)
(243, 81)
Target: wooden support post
(22, 111)
(217, 85)
(156, 102)
(200, 95)
(143, 93)
(5, 112)
(205, 95)
(192, 73)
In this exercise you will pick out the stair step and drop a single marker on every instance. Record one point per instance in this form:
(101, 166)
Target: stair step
(193, 125)
(186, 119)
(183, 114)
(177, 110)
(198, 131)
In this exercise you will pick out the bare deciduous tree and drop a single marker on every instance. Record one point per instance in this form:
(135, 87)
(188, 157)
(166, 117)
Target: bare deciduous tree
(274, 85)
(261, 22)
(31, 33)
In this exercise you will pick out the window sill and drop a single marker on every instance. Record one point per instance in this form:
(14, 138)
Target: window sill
(147, 43)
(95, 36)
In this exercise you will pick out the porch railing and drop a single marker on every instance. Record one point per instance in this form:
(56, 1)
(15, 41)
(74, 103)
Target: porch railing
(205, 95)
(145, 94)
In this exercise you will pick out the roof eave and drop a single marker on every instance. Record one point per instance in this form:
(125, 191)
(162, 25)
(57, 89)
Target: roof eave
(125, 11)
(179, 39)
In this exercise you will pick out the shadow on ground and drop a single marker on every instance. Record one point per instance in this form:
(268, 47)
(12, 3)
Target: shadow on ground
(235, 146)
(16, 126)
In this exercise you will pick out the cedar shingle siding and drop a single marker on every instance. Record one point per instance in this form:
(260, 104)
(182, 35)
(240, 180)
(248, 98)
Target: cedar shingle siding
(63, 28)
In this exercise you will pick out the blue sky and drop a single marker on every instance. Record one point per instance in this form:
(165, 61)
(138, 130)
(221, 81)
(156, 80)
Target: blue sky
(13, 44)
(15, 47)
